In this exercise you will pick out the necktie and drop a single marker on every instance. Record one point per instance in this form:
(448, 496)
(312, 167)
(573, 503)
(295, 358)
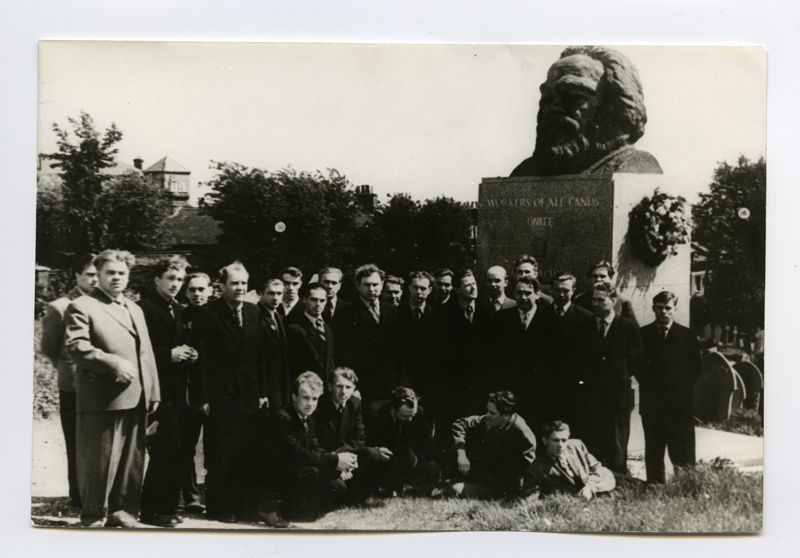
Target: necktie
(468, 312)
(418, 313)
(320, 328)
(560, 311)
(497, 305)
(374, 310)
(171, 309)
(601, 330)
(664, 333)
(237, 314)
(524, 318)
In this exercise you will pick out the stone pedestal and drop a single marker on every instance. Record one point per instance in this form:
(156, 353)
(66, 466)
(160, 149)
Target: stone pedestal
(571, 222)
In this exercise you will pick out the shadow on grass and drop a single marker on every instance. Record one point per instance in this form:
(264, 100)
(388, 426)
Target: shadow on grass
(54, 512)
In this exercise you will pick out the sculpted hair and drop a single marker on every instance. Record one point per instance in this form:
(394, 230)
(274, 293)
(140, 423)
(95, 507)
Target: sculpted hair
(342, 372)
(107, 256)
(80, 263)
(308, 379)
(602, 263)
(225, 271)
(420, 275)
(620, 91)
(403, 396)
(330, 271)
(292, 272)
(367, 270)
(505, 401)
(525, 258)
(534, 283)
(609, 290)
(561, 276)
(665, 297)
(197, 275)
(396, 280)
(306, 289)
(442, 271)
(460, 275)
(554, 426)
(177, 262)
(264, 283)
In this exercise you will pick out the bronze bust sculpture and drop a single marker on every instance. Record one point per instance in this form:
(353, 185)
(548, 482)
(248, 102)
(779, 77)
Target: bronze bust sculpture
(591, 113)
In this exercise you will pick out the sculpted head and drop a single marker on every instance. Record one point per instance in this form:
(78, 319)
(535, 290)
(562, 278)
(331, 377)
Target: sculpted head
(592, 104)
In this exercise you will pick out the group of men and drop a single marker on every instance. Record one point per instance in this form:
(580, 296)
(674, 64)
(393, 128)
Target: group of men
(305, 398)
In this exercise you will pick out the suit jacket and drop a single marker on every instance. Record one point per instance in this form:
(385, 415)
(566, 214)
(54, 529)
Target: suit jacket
(622, 307)
(559, 370)
(671, 367)
(515, 353)
(295, 445)
(609, 365)
(306, 349)
(337, 432)
(166, 332)
(195, 391)
(547, 476)
(100, 337)
(383, 432)
(369, 348)
(326, 312)
(232, 361)
(421, 352)
(294, 315)
(53, 340)
(488, 304)
(277, 358)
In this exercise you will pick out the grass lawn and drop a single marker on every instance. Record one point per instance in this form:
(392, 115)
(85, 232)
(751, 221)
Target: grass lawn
(742, 421)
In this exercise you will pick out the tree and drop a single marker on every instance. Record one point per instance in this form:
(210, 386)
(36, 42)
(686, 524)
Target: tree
(81, 165)
(271, 220)
(730, 222)
(135, 211)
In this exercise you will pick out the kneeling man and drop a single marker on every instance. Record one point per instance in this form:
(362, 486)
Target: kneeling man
(565, 466)
(493, 450)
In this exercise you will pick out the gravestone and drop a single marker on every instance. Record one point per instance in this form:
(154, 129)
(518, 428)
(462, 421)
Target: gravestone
(718, 390)
(571, 222)
(753, 383)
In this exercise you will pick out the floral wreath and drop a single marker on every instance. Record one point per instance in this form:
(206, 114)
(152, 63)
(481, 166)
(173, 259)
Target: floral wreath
(656, 226)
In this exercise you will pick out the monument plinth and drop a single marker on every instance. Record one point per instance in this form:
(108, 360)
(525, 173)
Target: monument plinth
(571, 222)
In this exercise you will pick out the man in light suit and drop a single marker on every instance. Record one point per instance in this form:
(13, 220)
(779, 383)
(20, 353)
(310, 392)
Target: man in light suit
(53, 347)
(309, 340)
(612, 353)
(672, 364)
(496, 283)
(117, 385)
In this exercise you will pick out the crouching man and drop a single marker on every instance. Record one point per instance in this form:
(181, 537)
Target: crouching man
(565, 466)
(493, 450)
(303, 468)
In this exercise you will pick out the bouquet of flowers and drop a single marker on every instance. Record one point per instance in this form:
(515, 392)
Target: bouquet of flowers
(656, 226)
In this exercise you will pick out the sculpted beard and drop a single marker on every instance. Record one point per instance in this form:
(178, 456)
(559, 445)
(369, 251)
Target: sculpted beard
(563, 147)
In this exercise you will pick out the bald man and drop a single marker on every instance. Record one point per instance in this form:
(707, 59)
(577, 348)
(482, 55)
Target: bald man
(496, 283)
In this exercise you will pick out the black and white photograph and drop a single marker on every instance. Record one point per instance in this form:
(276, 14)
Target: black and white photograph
(289, 287)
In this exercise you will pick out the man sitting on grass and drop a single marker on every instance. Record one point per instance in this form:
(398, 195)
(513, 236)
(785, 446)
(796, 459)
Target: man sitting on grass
(493, 450)
(565, 466)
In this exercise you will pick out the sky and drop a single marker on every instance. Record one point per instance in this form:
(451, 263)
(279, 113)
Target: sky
(425, 120)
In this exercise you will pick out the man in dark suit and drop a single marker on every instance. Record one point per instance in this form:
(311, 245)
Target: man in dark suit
(401, 433)
(309, 340)
(561, 395)
(53, 347)
(496, 283)
(161, 490)
(331, 277)
(340, 428)
(612, 352)
(527, 266)
(603, 272)
(392, 292)
(672, 364)
(442, 287)
(366, 337)
(116, 383)
(191, 416)
(292, 282)
(303, 468)
(234, 385)
(515, 349)
(271, 295)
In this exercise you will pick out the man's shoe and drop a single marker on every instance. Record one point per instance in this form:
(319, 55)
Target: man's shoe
(195, 507)
(124, 520)
(273, 519)
(93, 523)
(225, 518)
(160, 520)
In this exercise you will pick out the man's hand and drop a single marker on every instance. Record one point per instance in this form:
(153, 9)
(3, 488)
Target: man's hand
(347, 461)
(587, 493)
(463, 462)
(384, 454)
(126, 373)
(205, 408)
(153, 407)
(346, 475)
(263, 402)
(183, 353)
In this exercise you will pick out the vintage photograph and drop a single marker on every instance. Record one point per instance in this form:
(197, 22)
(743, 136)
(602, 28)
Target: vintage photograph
(373, 287)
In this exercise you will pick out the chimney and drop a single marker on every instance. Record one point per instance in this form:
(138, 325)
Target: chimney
(366, 197)
(137, 162)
